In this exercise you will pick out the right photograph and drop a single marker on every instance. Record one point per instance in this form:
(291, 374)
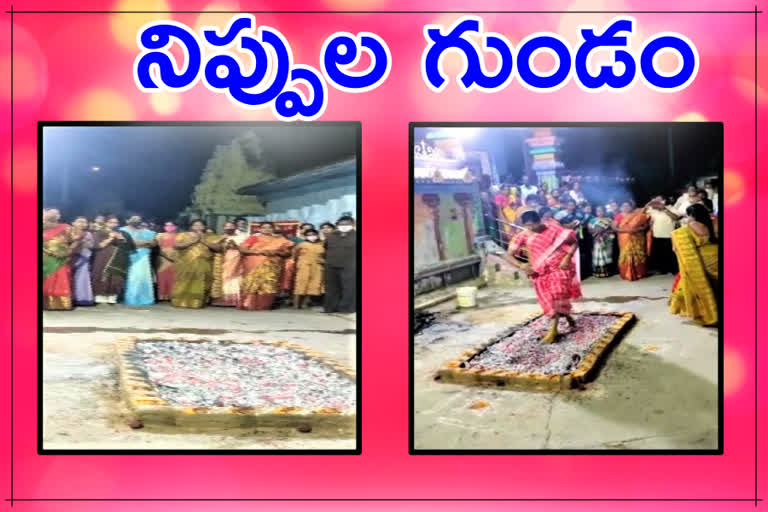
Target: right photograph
(566, 288)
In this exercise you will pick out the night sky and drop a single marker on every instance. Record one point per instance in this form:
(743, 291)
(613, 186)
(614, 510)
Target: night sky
(641, 151)
(154, 169)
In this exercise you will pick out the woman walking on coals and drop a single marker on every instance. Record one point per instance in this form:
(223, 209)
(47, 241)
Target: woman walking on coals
(550, 266)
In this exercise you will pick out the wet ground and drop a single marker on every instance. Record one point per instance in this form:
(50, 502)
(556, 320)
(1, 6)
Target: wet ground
(657, 390)
(82, 406)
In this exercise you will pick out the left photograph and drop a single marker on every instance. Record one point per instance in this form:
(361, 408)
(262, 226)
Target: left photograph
(199, 287)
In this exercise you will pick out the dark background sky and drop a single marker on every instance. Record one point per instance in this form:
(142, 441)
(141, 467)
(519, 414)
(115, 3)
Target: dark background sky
(154, 169)
(641, 152)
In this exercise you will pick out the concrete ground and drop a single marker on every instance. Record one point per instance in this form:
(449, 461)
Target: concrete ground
(82, 406)
(658, 389)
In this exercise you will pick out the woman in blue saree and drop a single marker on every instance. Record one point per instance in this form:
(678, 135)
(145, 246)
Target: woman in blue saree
(139, 285)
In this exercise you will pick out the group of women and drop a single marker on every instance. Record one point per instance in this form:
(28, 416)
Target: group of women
(102, 263)
(619, 239)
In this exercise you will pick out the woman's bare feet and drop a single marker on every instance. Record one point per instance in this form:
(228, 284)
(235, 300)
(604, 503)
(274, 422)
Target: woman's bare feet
(551, 335)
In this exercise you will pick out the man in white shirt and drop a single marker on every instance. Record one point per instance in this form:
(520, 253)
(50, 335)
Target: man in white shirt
(689, 197)
(663, 222)
(526, 189)
(711, 189)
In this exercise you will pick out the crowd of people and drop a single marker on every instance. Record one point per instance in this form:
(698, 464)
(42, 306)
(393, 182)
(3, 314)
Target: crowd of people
(676, 236)
(98, 261)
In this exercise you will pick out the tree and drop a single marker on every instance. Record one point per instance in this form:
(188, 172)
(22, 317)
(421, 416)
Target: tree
(232, 166)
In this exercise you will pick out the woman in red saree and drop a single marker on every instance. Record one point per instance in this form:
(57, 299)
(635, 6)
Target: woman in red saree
(631, 225)
(263, 262)
(58, 245)
(166, 261)
(551, 267)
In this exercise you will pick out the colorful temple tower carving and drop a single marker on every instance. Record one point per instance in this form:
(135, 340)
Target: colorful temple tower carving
(542, 156)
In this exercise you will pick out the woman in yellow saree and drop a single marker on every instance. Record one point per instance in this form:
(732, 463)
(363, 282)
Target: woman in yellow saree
(263, 264)
(631, 225)
(508, 210)
(694, 294)
(194, 266)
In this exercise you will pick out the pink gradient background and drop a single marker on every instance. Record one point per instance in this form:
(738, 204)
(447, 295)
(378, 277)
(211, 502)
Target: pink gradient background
(62, 59)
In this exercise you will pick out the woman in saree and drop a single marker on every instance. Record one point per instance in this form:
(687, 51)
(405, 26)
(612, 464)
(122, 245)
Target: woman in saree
(166, 261)
(601, 228)
(58, 245)
(301, 234)
(697, 287)
(194, 266)
(263, 263)
(82, 291)
(112, 250)
(326, 228)
(551, 266)
(515, 198)
(508, 212)
(97, 224)
(634, 241)
(139, 284)
(289, 268)
(228, 268)
(310, 269)
(502, 196)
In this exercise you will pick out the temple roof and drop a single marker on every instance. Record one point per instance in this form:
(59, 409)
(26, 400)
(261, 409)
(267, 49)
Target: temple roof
(436, 175)
(341, 169)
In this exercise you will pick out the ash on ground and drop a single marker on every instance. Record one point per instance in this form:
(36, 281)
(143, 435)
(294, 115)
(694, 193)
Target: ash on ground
(433, 327)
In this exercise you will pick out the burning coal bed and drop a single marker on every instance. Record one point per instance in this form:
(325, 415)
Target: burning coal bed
(522, 351)
(518, 358)
(220, 374)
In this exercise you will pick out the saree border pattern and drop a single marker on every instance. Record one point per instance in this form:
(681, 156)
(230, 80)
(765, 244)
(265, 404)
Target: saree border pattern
(456, 372)
(141, 398)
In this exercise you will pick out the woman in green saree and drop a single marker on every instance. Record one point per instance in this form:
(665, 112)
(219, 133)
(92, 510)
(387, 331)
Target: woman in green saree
(58, 245)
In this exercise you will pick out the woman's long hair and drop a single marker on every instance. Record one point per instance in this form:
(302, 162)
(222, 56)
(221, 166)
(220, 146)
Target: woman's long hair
(700, 214)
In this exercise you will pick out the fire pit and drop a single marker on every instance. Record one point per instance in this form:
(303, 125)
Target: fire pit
(517, 358)
(221, 383)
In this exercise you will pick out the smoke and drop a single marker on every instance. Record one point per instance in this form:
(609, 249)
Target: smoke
(606, 182)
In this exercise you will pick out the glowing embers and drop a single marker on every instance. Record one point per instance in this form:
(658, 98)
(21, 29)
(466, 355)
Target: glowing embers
(517, 358)
(227, 383)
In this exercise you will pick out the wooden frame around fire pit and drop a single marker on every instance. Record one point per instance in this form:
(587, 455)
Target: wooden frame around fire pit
(150, 408)
(455, 372)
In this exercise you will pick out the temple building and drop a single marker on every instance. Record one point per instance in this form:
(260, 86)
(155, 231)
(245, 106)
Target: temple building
(447, 219)
(318, 195)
